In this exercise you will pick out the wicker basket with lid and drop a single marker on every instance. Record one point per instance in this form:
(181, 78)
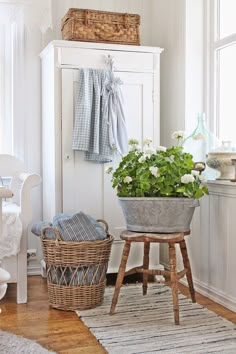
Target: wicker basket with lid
(101, 26)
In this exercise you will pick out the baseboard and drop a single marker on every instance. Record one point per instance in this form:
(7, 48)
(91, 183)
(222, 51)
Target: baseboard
(216, 295)
(33, 270)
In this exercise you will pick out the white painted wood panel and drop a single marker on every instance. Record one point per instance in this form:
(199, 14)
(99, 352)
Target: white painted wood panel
(136, 88)
(80, 189)
(95, 196)
(123, 61)
(212, 244)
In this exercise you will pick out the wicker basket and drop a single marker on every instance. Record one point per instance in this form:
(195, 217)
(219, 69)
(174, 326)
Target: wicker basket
(76, 271)
(101, 26)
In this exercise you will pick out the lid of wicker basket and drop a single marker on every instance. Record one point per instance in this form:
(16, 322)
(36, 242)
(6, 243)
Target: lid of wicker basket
(76, 256)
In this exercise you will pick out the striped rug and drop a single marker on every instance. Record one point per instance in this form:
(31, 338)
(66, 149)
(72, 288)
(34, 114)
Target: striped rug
(145, 324)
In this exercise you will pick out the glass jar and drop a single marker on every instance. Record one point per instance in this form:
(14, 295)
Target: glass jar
(199, 143)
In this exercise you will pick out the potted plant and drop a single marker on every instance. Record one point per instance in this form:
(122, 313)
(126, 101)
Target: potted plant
(158, 189)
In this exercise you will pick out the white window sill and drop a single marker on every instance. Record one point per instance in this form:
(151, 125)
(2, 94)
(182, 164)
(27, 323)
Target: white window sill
(222, 187)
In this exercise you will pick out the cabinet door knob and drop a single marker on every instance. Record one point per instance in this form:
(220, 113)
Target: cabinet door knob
(67, 157)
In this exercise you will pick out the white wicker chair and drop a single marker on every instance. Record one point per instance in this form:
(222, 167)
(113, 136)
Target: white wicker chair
(21, 184)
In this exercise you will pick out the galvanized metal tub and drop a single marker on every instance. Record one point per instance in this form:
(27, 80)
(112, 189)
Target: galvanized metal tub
(158, 214)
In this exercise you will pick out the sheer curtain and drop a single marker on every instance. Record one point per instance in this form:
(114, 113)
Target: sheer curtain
(21, 23)
(11, 73)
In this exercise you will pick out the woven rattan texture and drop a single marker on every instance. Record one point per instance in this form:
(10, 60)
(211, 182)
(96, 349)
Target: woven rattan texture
(76, 271)
(101, 26)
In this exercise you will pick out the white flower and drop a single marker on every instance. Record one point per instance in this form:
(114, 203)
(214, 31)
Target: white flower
(127, 179)
(179, 135)
(170, 158)
(133, 147)
(203, 179)
(187, 178)
(199, 166)
(142, 158)
(161, 148)
(149, 152)
(195, 173)
(154, 171)
(133, 142)
(108, 169)
(147, 142)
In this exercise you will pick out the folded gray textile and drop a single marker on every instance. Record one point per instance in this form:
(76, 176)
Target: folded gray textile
(77, 227)
(38, 226)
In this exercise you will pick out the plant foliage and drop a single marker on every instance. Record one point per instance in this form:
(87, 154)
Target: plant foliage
(157, 173)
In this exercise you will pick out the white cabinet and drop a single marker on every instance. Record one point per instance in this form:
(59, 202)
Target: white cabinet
(70, 183)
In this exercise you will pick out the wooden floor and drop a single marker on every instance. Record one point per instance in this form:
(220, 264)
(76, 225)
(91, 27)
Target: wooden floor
(57, 330)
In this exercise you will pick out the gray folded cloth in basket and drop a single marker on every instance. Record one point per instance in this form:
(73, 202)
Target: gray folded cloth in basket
(73, 228)
(79, 227)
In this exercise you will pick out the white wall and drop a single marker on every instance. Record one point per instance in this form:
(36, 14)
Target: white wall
(178, 28)
(168, 17)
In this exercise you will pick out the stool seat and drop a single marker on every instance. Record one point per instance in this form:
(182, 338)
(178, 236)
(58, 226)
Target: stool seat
(171, 239)
(152, 237)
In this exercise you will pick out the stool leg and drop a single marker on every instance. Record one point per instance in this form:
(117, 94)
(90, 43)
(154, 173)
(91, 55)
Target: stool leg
(120, 276)
(187, 266)
(145, 266)
(174, 281)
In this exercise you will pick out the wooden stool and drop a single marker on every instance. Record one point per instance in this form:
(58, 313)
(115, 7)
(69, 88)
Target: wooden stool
(147, 238)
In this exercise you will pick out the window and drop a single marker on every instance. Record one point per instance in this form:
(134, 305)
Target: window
(223, 74)
(11, 74)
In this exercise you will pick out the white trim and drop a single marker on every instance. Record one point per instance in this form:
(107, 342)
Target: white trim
(224, 42)
(99, 46)
(218, 296)
(33, 270)
(222, 188)
(212, 59)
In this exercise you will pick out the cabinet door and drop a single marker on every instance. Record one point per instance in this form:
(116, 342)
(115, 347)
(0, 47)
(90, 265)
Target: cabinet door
(85, 185)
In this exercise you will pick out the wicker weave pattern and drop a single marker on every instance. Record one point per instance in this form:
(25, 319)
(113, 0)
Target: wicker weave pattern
(101, 26)
(76, 271)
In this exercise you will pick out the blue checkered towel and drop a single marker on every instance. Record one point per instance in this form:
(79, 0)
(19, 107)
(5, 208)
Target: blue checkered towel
(99, 122)
(77, 227)
(90, 131)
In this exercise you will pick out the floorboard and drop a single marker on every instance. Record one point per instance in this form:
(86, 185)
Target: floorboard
(62, 331)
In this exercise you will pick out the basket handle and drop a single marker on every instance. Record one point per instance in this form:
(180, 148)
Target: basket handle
(105, 225)
(52, 229)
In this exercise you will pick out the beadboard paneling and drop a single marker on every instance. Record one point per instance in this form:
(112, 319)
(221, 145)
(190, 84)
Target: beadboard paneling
(212, 245)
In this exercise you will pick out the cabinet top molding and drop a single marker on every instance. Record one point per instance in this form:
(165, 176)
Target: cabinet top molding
(101, 46)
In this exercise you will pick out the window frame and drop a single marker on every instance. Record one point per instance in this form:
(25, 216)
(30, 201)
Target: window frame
(213, 46)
